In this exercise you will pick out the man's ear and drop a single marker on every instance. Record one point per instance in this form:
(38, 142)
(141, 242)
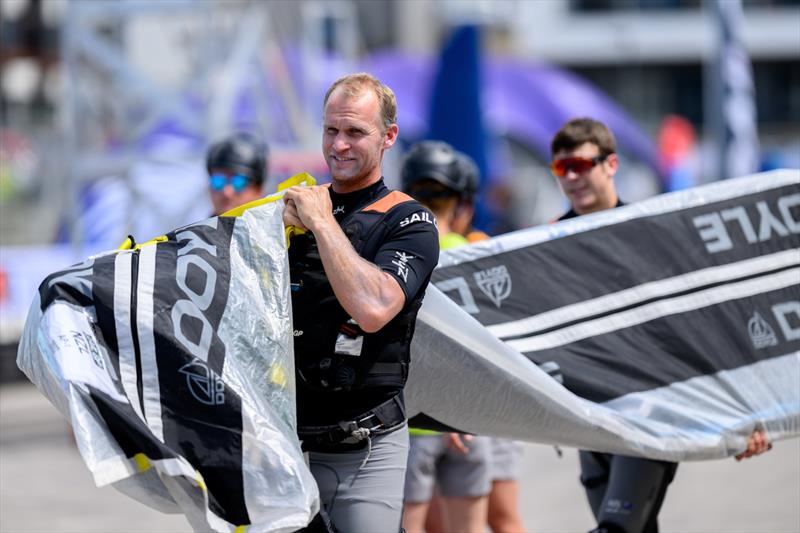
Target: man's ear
(390, 136)
(612, 164)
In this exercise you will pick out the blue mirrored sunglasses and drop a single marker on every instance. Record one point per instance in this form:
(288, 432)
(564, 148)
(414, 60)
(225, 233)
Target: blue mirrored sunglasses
(239, 182)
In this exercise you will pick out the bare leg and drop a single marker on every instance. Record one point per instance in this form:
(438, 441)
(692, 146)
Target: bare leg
(465, 514)
(504, 514)
(414, 516)
(434, 523)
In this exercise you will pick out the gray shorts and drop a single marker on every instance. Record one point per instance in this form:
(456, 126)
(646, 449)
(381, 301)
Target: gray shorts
(431, 462)
(367, 498)
(506, 455)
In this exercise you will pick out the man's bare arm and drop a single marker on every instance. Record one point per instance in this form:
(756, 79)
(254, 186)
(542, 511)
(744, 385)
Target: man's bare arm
(369, 295)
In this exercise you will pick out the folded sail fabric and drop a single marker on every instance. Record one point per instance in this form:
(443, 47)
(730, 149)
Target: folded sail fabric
(174, 364)
(674, 321)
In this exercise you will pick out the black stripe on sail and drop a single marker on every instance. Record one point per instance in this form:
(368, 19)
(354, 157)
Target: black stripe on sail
(678, 347)
(201, 414)
(609, 259)
(72, 285)
(135, 328)
(648, 301)
(130, 432)
(103, 298)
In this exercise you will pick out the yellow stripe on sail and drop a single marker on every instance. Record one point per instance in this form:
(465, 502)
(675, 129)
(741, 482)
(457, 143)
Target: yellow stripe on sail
(291, 231)
(297, 179)
(198, 478)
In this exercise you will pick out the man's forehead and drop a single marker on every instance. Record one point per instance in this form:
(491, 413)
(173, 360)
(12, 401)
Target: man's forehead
(352, 93)
(364, 100)
(227, 171)
(587, 149)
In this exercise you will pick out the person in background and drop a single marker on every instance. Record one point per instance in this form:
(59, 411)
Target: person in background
(504, 515)
(506, 454)
(624, 493)
(237, 170)
(450, 482)
(448, 478)
(358, 275)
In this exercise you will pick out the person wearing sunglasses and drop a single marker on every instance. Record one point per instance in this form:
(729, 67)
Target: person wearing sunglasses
(237, 168)
(624, 493)
(585, 162)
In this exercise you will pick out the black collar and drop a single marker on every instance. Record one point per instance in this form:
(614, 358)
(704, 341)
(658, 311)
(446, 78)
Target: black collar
(346, 203)
(572, 214)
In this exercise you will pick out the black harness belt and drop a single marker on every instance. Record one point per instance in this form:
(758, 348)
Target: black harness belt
(354, 434)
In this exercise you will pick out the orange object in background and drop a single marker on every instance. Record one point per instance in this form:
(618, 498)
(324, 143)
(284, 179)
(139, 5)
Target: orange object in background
(676, 138)
(677, 152)
(3, 286)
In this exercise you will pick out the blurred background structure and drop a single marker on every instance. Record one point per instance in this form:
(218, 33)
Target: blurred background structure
(106, 107)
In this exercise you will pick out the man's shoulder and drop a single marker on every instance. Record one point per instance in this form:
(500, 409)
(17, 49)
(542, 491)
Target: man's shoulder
(412, 215)
(399, 207)
(390, 202)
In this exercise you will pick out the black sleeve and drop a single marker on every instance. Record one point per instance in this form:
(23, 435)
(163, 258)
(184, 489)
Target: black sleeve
(410, 250)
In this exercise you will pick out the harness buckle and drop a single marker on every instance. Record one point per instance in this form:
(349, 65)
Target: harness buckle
(358, 430)
(378, 423)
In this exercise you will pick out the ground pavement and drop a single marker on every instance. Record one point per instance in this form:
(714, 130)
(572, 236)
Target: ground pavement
(44, 485)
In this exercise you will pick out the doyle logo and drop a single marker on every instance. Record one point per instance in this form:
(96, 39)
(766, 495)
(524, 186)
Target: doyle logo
(769, 220)
(786, 315)
(495, 283)
(761, 333)
(203, 383)
(422, 216)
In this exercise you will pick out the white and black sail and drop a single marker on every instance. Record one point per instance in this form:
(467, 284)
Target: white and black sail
(665, 298)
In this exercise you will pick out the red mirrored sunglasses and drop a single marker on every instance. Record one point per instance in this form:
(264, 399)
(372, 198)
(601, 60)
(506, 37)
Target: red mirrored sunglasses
(578, 165)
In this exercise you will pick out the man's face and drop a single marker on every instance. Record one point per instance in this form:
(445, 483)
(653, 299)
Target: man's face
(353, 139)
(591, 189)
(226, 198)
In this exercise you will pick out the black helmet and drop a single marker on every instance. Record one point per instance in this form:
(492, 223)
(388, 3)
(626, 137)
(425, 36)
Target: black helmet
(471, 175)
(241, 152)
(438, 161)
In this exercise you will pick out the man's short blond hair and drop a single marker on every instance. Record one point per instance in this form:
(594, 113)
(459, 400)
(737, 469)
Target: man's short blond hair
(356, 84)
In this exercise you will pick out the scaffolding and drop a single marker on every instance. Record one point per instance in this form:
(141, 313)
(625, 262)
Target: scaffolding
(140, 72)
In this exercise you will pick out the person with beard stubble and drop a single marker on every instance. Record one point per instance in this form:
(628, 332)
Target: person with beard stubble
(358, 275)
